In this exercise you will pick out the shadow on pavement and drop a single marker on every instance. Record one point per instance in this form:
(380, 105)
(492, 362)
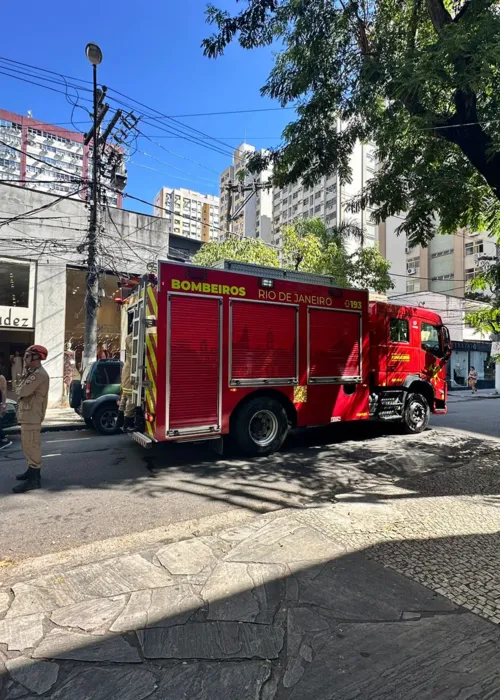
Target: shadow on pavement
(315, 467)
(242, 616)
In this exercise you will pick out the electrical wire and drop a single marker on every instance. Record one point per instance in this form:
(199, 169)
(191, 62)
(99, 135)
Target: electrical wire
(174, 167)
(27, 214)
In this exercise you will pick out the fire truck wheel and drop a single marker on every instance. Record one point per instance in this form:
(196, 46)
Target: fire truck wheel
(416, 414)
(260, 426)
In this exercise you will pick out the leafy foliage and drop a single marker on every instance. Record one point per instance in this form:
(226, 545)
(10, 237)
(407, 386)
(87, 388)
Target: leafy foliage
(309, 248)
(419, 78)
(251, 250)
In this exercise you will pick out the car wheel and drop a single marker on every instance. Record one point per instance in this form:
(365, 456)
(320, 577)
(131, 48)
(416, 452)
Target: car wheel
(104, 419)
(416, 414)
(260, 426)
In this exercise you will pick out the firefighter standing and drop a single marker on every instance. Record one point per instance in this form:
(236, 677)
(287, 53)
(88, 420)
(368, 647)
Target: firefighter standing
(126, 410)
(32, 391)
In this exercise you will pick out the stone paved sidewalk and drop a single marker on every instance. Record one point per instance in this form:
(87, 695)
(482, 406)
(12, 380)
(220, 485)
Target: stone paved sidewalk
(467, 395)
(303, 604)
(56, 419)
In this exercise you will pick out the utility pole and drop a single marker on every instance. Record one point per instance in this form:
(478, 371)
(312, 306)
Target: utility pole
(495, 345)
(229, 190)
(113, 169)
(94, 55)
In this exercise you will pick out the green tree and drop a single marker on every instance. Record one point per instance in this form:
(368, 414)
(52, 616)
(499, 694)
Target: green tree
(307, 246)
(251, 250)
(419, 78)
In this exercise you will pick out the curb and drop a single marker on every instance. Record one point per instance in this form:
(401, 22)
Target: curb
(16, 430)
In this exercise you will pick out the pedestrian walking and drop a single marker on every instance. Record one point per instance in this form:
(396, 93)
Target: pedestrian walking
(4, 440)
(32, 391)
(126, 410)
(473, 380)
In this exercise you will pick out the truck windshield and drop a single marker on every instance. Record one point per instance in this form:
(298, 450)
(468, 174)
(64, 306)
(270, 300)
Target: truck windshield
(430, 339)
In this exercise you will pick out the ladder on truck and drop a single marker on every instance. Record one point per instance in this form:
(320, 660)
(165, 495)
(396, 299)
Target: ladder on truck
(137, 358)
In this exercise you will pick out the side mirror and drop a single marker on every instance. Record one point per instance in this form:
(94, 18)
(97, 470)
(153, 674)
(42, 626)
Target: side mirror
(445, 342)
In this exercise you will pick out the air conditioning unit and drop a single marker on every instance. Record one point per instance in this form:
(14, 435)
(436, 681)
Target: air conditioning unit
(410, 270)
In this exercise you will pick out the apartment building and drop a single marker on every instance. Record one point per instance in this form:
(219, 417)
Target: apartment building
(327, 200)
(46, 157)
(249, 211)
(190, 214)
(445, 266)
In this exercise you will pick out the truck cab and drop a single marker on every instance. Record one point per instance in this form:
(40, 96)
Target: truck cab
(409, 348)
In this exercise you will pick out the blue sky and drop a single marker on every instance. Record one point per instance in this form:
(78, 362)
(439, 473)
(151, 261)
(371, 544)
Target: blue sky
(151, 53)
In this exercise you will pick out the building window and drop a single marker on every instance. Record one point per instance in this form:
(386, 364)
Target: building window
(442, 252)
(412, 285)
(15, 287)
(470, 274)
(399, 330)
(443, 277)
(318, 194)
(317, 208)
(474, 247)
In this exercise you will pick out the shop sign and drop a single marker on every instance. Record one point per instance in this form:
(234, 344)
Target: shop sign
(481, 346)
(14, 318)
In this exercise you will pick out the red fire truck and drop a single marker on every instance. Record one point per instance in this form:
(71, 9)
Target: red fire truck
(252, 352)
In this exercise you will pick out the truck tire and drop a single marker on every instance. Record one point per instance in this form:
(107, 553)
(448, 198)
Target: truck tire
(104, 419)
(416, 414)
(260, 426)
(75, 393)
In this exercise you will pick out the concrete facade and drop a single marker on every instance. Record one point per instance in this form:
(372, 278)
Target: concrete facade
(327, 200)
(49, 242)
(444, 267)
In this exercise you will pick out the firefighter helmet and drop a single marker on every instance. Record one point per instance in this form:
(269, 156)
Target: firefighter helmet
(38, 350)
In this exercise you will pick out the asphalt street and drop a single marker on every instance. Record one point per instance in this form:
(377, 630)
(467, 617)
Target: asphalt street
(97, 487)
(479, 415)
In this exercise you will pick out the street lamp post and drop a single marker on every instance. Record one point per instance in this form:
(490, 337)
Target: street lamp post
(94, 55)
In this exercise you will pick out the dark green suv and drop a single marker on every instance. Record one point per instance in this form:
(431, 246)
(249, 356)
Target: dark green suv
(96, 395)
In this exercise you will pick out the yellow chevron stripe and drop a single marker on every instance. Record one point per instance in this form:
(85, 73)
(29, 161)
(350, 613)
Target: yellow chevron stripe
(151, 354)
(149, 429)
(149, 402)
(153, 301)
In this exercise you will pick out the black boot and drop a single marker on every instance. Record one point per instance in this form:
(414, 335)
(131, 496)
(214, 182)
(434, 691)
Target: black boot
(30, 482)
(24, 476)
(128, 425)
(120, 420)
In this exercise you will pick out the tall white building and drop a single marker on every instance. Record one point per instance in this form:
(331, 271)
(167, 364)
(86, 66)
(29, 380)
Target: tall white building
(327, 200)
(46, 157)
(249, 210)
(190, 214)
(445, 266)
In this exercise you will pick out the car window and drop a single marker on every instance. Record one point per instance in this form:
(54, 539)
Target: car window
(430, 339)
(399, 330)
(114, 373)
(101, 376)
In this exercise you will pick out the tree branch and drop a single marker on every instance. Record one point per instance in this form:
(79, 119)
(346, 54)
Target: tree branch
(413, 25)
(439, 15)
